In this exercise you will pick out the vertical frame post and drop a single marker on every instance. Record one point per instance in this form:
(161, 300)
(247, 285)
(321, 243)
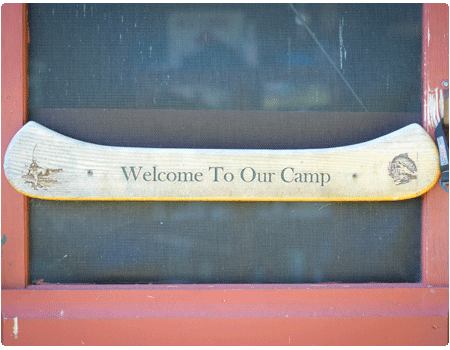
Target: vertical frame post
(435, 38)
(14, 235)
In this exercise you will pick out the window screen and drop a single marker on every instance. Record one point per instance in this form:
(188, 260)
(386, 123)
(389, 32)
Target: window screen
(224, 76)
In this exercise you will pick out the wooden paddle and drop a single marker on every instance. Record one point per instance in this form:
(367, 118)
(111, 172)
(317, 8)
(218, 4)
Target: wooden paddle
(44, 164)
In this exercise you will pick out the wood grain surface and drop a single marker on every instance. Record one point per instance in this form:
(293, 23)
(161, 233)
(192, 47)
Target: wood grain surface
(44, 164)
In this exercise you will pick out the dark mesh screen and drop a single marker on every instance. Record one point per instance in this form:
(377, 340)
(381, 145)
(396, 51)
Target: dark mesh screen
(217, 56)
(224, 76)
(206, 242)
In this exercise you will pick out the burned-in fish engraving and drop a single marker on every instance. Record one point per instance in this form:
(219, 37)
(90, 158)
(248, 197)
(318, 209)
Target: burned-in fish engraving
(39, 177)
(402, 169)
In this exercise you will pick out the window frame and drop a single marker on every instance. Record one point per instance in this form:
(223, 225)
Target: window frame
(257, 314)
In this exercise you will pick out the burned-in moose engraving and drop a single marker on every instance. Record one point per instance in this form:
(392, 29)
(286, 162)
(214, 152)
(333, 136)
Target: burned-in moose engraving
(402, 169)
(39, 177)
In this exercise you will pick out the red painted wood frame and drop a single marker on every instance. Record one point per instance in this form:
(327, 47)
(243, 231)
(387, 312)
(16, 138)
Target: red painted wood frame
(330, 314)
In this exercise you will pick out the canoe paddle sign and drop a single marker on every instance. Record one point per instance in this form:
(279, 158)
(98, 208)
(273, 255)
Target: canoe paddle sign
(44, 164)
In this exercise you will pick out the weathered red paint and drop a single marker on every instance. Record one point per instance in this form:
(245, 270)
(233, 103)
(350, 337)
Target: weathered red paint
(14, 217)
(228, 302)
(435, 225)
(331, 314)
(427, 330)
